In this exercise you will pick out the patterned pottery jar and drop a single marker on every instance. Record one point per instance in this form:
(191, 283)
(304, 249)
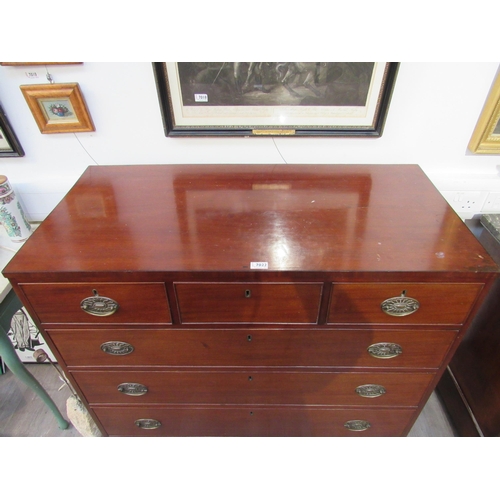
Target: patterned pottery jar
(12, 215)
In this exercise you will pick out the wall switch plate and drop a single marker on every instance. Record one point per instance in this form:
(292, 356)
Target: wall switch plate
(492, 204)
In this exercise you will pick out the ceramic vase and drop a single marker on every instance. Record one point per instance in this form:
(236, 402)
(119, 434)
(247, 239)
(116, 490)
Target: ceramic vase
(12, 216)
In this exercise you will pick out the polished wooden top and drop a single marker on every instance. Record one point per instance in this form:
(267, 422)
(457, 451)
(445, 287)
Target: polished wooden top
(223, 217)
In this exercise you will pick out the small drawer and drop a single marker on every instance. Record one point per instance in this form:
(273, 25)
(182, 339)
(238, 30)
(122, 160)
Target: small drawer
(155, 421)
(99, 303)
(292, 303)
(402, 303)
(327, 348)
(253, 387)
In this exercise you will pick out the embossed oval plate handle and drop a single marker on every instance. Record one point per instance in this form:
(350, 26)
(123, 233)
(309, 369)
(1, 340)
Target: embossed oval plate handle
(400, 306)
(384, 350)
(99, 306)
(117, 348)
(357, 425)
(132, 389)
(148, 423)
(370, 390)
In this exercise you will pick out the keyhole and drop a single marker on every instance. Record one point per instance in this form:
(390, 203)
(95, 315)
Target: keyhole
(250, 379)
(249, 338)
(248, 293)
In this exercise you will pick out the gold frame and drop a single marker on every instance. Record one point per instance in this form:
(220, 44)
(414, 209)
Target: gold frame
(39, 97)
(484, 139)
(36, 63)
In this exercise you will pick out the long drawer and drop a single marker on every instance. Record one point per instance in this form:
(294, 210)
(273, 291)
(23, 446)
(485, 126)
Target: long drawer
(416, 349)
(251, 387)
(96, 303)
(249, 302)
(402, 303)
(267, 422)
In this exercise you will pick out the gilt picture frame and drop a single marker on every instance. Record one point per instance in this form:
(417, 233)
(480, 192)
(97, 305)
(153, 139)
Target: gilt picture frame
(9, 144)
(58, 108)
(37, 63)
(486, 136)
(275, 99)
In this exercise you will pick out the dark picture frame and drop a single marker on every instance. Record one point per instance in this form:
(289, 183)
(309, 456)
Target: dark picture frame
(9, 143)
(275, 99)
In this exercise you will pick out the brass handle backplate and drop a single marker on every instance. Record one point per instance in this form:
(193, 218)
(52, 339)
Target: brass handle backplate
(370, 390)
(385, 350)
(117, 348)
(99, 306)
(357, 425)
(400, 306)
(148, 423)
(132, 389)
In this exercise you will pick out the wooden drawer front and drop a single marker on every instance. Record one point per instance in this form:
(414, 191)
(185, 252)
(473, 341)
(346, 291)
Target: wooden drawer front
(256, 388)
(249, 302)
(248, 421)
(61, 302)
(439, 303)
(300, 348)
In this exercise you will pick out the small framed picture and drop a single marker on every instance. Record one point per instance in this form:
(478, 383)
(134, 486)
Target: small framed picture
(58, 108)
(9, 144)
(486, 136)
(36, 63)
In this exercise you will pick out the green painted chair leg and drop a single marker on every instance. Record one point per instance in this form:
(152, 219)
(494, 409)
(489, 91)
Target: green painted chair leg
(8, 354)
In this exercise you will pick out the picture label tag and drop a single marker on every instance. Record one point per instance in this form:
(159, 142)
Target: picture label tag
(201, 98)
(259, 265)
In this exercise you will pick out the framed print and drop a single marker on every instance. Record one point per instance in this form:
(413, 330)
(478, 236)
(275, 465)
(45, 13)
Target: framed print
(58, 108)
(486, 136)
(9, 145)
(36, 63)
(274, 98)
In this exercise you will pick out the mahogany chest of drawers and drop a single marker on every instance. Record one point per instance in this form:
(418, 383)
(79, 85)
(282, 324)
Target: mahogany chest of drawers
(253, 300)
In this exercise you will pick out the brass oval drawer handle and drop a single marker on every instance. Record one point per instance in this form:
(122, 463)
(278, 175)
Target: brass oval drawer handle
(357, 425)
(147, 423)
(370, 390)
(132, 389)
(400, 306)
(99, 306)
(385, 350)
(117, 348)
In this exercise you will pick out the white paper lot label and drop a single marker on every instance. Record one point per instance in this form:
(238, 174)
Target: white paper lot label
(259, 265)
(201, 98)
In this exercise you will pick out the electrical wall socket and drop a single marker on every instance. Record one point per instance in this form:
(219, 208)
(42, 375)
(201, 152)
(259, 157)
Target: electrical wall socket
(466, 202)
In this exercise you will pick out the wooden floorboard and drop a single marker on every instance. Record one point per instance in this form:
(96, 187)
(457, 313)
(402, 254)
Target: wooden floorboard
(23, 413)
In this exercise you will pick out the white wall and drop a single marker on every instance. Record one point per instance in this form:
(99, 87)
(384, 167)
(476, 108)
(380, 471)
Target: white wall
(434, 109)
